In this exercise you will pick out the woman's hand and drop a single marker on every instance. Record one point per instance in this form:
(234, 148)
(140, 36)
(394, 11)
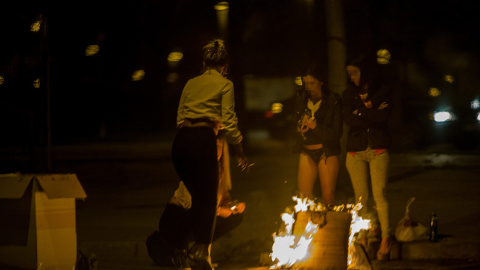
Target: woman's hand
(242, 160)
(309, 123)
(383, 105)
(239, 208)
(225, 212)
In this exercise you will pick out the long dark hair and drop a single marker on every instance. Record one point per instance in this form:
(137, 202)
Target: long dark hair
(368, 69)
(215, 55)
(317, 72)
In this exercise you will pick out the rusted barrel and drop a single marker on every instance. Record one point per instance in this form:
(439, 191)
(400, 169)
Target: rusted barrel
(329, 247)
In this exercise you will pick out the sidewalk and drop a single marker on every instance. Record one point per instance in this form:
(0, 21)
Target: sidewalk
(128, 184)
(424, 175)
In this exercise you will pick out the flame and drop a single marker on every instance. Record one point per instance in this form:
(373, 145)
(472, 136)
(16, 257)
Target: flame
(358, 224)
(289, 249)
(302, 204)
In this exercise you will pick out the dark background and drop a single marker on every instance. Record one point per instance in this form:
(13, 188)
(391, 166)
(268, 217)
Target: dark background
(94, 98)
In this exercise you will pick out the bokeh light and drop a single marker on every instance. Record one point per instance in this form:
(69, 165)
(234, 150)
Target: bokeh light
(36, 83)
(475, 104)
(221, 6)
(443, 116)
(449, 78)
(434, 92)
(35, 27)
(92, 50)
(383, 56)
(277, 107)
(175, 56)
(138, 75)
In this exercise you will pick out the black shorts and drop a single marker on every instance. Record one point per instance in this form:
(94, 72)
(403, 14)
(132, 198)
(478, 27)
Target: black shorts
(315, 154)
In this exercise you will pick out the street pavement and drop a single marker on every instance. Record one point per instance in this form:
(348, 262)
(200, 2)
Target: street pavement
(128, 183)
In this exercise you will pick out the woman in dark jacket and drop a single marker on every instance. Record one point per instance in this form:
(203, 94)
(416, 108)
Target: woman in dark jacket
(366, 108)
(319, 126)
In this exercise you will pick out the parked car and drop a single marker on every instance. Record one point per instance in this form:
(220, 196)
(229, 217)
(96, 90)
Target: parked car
(279, 119)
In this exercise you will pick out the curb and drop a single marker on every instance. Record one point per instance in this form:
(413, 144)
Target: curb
(447, 248)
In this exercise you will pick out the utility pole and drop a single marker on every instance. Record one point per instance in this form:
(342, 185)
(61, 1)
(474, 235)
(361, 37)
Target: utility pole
(337, 75)
(336, 45)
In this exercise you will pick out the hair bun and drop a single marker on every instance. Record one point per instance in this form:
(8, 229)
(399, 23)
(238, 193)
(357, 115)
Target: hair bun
(215, 54)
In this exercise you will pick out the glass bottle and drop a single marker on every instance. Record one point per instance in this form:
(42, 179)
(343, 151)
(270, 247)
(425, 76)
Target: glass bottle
(434, 228)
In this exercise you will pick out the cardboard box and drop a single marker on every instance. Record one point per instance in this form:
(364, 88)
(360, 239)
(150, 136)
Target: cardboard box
(37, 220)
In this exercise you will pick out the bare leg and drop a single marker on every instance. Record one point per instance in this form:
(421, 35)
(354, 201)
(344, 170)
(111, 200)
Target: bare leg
(307, 174)
(328, 172)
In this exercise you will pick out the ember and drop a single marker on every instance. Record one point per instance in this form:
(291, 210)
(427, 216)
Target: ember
(315, 236)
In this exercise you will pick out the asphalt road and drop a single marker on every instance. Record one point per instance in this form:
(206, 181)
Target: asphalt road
(129, 183)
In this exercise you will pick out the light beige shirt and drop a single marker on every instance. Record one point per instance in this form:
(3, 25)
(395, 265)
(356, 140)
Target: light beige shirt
(210, 95)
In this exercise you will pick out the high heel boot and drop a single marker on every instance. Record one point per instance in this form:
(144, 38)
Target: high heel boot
(200, 255)
(384, 255)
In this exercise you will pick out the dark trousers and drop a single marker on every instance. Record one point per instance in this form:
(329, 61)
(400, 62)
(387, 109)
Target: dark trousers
(194, 155)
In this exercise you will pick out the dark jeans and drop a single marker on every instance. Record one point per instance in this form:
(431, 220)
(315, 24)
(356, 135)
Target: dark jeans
(194, 154)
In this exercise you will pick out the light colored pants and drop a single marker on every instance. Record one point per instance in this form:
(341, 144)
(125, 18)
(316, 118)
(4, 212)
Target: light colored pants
(358, 166)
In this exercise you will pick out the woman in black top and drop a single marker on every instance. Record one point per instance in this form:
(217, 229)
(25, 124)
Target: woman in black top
(319, 126)
(366, 108)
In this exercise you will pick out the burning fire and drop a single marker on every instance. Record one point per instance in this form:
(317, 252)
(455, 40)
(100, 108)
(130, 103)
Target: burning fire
(292, 249)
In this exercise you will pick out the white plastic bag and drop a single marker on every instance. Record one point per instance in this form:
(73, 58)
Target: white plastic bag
(409, 230)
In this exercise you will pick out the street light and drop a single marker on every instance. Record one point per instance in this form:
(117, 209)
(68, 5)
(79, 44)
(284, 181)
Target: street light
(138, 75)
(91, 50)
(449, 78)
(220, 6)
(383, 56)
(35, 26)
(175, 56)
(434, 92)
(222, 18)
(36, 83)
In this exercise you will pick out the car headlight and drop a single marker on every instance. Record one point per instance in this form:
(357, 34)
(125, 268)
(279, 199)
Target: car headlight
(478, 116)
(475, 104)
(443, 116)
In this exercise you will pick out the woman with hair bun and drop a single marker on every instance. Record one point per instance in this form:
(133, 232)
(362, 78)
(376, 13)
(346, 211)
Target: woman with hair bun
(206, 108)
